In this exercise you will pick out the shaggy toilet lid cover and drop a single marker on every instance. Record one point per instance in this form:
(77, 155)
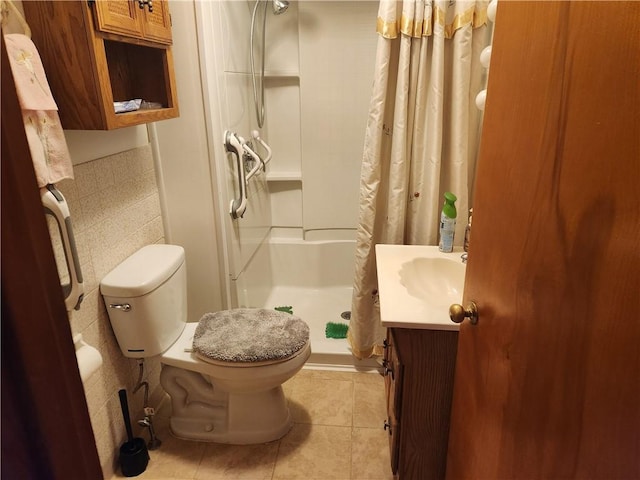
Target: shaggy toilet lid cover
(249, 335)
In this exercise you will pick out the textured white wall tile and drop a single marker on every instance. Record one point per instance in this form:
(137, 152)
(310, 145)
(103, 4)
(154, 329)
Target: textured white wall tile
(115, 211)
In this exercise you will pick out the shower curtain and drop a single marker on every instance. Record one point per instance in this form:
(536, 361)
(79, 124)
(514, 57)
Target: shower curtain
(421, 138)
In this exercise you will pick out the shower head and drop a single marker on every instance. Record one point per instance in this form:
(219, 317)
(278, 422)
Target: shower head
(279, 6)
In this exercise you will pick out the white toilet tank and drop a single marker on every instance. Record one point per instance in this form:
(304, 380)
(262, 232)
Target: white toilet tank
(146, 298)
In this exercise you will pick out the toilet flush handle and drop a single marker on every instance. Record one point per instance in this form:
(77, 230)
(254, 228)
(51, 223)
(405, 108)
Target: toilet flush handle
(125, 307)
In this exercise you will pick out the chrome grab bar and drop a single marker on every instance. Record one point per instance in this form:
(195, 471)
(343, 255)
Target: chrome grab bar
(233, 144)
(258, 161)
(56, 205)
(256, 135)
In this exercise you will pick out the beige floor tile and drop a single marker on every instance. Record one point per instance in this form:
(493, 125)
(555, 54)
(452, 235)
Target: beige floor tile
(326, 374)
(287, 387)
(370, 454)
(314, 452)
(322, 402)
(175, 459)
(306, 375)
(246, 462)
(372, 378)
(369, 404)
(155, 477)
(322, 444)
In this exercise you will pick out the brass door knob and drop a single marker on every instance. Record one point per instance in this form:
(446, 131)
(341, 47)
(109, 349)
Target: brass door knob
(457, 313)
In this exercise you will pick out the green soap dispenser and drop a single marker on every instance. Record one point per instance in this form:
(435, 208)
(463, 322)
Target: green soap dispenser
(448, 222)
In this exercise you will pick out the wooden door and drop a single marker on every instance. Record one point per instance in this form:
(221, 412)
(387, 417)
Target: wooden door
(46, 432)
(547, 384)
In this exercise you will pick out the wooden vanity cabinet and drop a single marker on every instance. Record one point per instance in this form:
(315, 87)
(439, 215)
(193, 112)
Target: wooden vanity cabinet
(419, 368)
(98, 52)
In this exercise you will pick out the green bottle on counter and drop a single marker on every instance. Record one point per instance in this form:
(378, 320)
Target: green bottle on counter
(448, 222)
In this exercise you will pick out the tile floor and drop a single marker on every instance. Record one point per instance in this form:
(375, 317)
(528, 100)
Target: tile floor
(337, 435)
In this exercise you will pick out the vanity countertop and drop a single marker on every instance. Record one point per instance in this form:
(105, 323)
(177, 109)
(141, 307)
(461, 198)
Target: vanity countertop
(417, 284)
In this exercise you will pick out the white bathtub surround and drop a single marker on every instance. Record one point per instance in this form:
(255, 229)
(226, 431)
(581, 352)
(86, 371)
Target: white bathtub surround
(314, 123)
(315, 279)
(337, 60)
(402, 187)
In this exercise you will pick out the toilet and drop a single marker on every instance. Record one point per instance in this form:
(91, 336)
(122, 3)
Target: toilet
(224, 374)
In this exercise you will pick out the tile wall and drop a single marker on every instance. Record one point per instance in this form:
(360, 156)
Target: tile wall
(115, 210)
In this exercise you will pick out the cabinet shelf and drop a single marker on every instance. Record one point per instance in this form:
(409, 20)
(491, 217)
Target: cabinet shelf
(89, 66)
(270, 74)
(284, 177)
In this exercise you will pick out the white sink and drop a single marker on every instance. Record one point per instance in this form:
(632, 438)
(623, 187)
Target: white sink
(438, 281)
(417, 284)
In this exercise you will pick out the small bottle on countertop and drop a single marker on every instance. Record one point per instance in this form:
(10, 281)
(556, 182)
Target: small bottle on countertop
(467, 231)
(448, 222)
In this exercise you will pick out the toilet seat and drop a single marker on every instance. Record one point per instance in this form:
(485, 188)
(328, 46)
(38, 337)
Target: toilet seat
(263, 363)
(249, 336)
(180, 355)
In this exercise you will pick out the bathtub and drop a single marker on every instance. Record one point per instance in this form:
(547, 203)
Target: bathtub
(315, 278)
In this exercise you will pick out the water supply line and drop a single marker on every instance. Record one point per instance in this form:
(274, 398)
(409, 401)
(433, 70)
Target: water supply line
(149, 412)
(140, 383)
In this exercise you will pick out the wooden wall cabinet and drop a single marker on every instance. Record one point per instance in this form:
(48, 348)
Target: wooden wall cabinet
(419, 369)
(98, 52)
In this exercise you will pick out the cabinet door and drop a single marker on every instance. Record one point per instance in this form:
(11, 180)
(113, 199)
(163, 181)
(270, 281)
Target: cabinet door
(125, 17)
(118, 16)
(393, 383)
(156, 25)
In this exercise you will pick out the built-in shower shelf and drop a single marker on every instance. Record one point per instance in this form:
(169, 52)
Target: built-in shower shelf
(284, 177)
(282, 74)
(273, 74)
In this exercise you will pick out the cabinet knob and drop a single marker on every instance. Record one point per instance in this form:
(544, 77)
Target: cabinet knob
(386, 370)
(387, 426)
(457, 313)
(149, 3)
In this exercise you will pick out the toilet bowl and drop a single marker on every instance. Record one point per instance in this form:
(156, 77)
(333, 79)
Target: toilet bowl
(248, 406)
(223, 401)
